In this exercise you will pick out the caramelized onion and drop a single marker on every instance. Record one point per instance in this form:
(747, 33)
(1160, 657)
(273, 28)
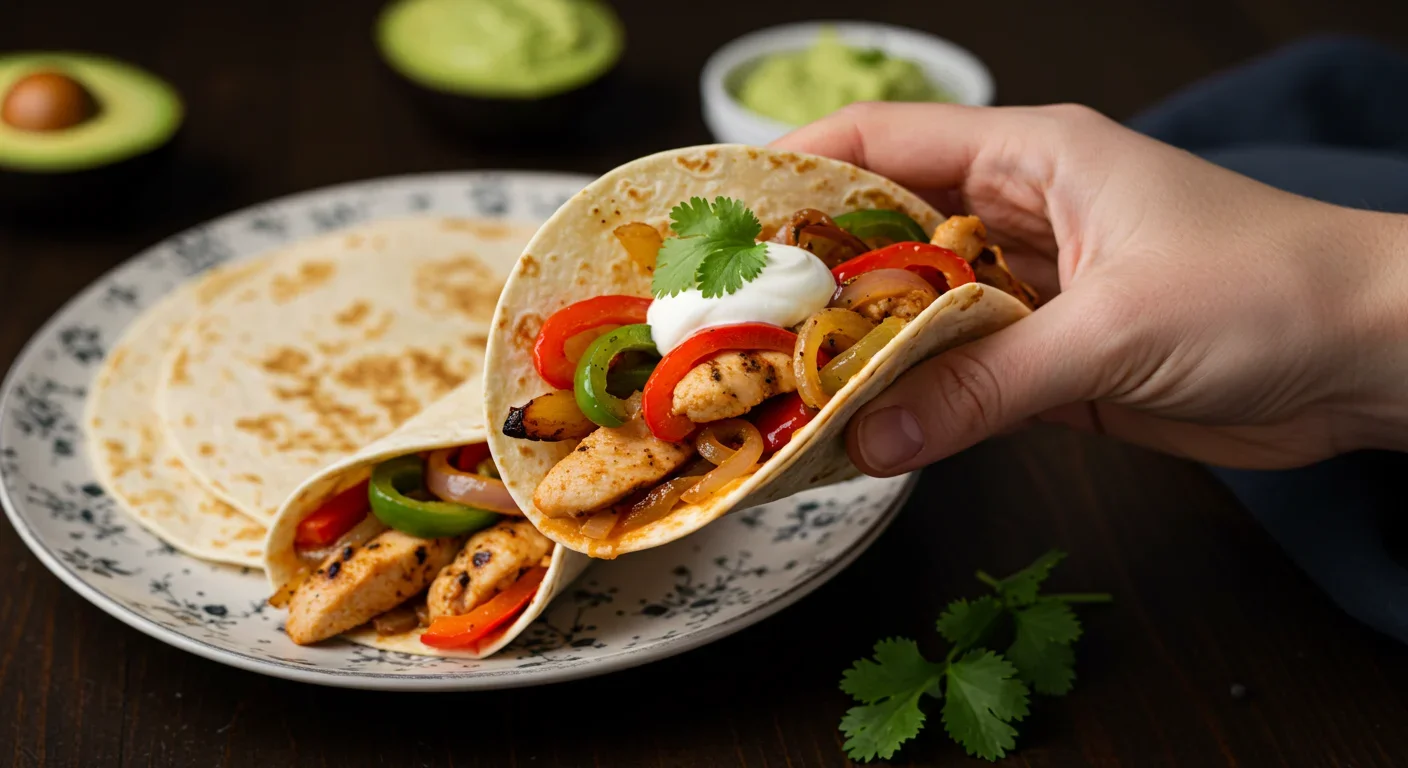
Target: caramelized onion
(883, 284)
(831, 244)
(836, 373)
(735, 463)
(450, 484)
(836, 325)
(599, 525)
(792, 230)
(642, 242)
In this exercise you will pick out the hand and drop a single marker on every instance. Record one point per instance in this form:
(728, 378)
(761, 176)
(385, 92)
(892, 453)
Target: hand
(1191, 309)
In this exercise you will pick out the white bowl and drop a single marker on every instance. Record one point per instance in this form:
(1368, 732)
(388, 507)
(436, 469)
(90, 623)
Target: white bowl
(948, 65)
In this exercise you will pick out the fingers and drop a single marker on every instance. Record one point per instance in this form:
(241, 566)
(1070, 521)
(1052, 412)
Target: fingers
(926, 146)
(952, 401)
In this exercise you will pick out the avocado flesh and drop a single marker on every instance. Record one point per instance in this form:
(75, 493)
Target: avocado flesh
(425, 42)
(137, 113)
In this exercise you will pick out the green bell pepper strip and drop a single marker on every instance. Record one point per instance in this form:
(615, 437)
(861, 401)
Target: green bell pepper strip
(392, 480)
(590, 383)
(629, 377)
(879, 228)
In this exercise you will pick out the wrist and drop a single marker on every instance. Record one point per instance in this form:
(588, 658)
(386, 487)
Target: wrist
(1375, 328)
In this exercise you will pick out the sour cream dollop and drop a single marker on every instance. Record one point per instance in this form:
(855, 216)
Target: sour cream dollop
(792, 286)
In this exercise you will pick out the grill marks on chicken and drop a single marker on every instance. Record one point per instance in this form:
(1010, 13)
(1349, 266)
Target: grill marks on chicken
(488, 563)
(731, 384)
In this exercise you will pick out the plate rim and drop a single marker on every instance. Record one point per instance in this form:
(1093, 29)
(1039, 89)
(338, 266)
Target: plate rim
(390, 681)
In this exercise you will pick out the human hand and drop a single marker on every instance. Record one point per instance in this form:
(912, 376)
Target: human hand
(1192, 310)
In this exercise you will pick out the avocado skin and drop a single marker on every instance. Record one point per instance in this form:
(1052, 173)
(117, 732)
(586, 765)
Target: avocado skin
(123, 193)
(575, 116)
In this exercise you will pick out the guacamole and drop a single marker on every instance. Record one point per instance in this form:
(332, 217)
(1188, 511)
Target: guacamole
(797, 87)
(516, 49)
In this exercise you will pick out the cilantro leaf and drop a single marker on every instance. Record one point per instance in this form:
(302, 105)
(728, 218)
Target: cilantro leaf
(878, 730)
(898, 667)
(890, 688)
(716, 249)
(1041, 648)
(1021, 587)
(964, 624)
(982, 698)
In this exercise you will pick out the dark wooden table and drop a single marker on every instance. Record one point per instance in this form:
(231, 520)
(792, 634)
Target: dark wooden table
(286, 96)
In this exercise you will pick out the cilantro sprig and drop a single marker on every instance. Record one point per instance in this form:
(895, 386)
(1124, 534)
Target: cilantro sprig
(716, 249)
(984, 691)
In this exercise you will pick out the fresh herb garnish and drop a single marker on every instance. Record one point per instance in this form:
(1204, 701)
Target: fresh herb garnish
(984, 692)
(716, 250)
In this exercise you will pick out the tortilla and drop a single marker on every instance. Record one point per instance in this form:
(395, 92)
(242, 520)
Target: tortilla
(132, 457)
(457, 419)
(341, 340)
(575, 256)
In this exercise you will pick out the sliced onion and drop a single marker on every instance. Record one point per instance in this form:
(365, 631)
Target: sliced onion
(883, 284)
(576, 345)
(791, 232)
(641, 241)
(843, 328)
(847, 364)
(831, 244)
(450, 484)
(735, 464)
(599, 526)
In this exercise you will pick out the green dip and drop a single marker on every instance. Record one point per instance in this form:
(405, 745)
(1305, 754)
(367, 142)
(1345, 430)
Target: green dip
(797, 87)
(519, 49)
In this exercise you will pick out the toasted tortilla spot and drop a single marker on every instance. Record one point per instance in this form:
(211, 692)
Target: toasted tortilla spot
(487, 230)
(433, 370)
(250, 477)
(189, 420)
(206, 449)
(528, 266)
(354, 241)
(383, 324)
(525, 331)
(285, 361)
(355, 313)
(476, 339)
(804, 165)
(332, 348)
(463, 285)
(180, 376)
(310, 275)
(971, 299)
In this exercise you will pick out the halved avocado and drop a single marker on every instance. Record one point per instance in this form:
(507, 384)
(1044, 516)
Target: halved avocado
(76, 128)
(506, 69)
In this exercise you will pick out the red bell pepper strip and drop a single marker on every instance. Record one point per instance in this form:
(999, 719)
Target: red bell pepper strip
(659, 394)
(335, 517)
(466, 630)
(549, 356)
(471, 456)
(918, 257)
(779, 418)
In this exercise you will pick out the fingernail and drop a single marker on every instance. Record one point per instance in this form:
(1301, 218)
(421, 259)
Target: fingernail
(889, 437)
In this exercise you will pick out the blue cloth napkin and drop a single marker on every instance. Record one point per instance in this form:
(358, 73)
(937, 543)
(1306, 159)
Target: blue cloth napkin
(1326, 118)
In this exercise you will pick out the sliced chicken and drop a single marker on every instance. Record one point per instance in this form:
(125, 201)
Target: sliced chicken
(607, 466)
(731, 384)
(488, 563)
(906, 307)
(964, 235)
(991, 269)
(358, 583)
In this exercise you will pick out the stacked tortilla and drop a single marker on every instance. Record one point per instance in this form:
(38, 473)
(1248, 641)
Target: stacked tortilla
(224, 397)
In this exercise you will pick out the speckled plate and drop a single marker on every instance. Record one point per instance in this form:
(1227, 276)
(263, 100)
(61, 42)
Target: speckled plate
(619, 614)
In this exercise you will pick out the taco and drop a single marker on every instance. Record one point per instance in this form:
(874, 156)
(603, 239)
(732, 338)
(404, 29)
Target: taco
(691, 332)
(412, 544)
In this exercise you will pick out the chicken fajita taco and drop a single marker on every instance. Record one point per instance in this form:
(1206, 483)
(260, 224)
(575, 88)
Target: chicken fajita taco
(691, 332)
(413, 544)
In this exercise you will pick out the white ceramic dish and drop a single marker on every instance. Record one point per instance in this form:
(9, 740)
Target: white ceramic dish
(948, 65)
(630, 611)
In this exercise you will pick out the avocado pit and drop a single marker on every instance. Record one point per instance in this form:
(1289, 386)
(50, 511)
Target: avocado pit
(47, 101)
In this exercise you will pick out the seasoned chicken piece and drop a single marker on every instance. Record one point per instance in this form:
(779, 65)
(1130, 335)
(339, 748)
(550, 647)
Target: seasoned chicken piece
(488, 563)
(964, 235)
(991, 269)
(906, 307)
(607, 466)
(731, 384)
(358, 583)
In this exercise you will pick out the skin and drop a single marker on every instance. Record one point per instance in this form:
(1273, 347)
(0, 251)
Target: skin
(1187, 308)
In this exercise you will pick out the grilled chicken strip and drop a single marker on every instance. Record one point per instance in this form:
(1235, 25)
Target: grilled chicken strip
(906, 307)
(488, 563)
(731, 384)
(358, 583)
(607, 466)
(964, 235)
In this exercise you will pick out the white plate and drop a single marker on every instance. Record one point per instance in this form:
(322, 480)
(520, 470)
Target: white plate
(620, 614)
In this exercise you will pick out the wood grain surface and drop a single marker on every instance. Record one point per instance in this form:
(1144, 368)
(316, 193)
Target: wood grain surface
(287, 96)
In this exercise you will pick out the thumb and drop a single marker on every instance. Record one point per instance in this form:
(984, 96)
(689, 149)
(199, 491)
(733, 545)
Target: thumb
(1057, 355)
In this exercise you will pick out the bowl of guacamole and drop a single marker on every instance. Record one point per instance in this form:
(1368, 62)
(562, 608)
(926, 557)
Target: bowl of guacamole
(504, 67)
(768, 82)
